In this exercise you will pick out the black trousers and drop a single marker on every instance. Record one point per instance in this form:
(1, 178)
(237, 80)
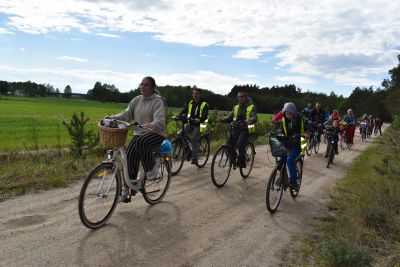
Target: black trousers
(239, 138)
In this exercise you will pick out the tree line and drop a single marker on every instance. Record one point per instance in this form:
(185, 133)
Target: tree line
(383, 101)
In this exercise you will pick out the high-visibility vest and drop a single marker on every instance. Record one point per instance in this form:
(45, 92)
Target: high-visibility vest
(203, 125)
(303, 141)
(249, 109)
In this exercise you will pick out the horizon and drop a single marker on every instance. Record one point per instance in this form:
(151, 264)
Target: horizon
(319, 47)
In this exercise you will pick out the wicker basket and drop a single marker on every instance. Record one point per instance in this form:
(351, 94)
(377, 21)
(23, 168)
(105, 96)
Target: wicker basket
(112, 137)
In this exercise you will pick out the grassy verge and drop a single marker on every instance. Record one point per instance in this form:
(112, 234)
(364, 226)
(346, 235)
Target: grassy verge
(363, 228)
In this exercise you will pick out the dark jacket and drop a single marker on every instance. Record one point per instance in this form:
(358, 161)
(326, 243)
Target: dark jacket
(195, 112)
(317, 116)
(292, 128)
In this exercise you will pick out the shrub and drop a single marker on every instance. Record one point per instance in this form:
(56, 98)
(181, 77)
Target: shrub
(340, 253)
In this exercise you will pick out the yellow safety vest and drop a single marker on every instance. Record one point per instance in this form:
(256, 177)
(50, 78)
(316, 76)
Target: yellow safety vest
(249, 109)
(203, 125)
(303, 141)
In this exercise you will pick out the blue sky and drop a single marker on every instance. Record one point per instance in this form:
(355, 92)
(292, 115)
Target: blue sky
(322, 47)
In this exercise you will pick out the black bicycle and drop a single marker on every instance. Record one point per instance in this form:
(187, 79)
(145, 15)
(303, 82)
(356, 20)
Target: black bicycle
(330, 149)
(312, 143)
(279, 180)
(182, 148)
(223, 161)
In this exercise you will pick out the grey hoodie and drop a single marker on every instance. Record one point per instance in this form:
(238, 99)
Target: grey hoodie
(142, 109)
(290, 107)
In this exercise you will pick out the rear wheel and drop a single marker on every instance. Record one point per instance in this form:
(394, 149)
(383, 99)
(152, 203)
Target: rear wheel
(221, 167)
(299, 170)
(316, 145)
(99, 195)
(274, 190)
(178, 156)
(309, 147)
(204, 151)
(250, 152)
(155, 190)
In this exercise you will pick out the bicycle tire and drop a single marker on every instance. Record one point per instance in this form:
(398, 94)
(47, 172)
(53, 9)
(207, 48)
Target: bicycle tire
(224, 159)
(164, 175)
(343, 142)
(205, 145)
(309, 147)
(330, 155)
(177, 156)
(272, 186)
(101, 169)
(299, 169)
(245, 172)
(316, 145)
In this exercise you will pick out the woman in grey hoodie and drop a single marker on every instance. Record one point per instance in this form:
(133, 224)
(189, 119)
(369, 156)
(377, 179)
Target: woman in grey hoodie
(149, 110)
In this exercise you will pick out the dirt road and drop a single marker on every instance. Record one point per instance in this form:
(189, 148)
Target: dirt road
(196, 224)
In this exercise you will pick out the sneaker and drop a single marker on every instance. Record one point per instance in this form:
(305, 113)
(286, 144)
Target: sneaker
(124, 195)
(152, 174)
(294, 186)
(194, 161)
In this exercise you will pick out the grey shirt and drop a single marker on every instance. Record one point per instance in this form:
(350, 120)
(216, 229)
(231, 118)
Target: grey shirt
(142, 109)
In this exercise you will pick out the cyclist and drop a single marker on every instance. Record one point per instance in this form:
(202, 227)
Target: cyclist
(364, 123)
(195, 113)
(335, 116)
(350, 120)
(332, 132)
(307, 111)
(370, 124)
(317, 117)
(327, 114)
(378, 125)
(292, 124)
(243, 116)
(149, 110)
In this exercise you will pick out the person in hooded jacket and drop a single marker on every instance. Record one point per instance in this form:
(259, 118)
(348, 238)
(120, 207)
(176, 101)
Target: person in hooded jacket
(292, 126)
(243, 116)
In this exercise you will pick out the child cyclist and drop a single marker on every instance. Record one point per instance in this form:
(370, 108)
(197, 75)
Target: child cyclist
(332, 132)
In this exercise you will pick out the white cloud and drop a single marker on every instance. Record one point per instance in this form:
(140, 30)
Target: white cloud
(295, 79)
(68, 58)
(207, 56)
(251, 75)
(22, 49)
(4, 31)
(108, 35)
(310, 37)
(83, 79)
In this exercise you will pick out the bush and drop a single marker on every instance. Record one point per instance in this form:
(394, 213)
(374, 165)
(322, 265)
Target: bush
(338, 253)
(396, 122)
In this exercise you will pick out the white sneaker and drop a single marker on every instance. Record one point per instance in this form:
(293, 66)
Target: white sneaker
(152, 174)
(124, 194)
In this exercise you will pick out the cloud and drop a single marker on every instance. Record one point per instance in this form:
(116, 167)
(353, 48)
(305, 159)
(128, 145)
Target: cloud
(82, 80)
(68, 58)
(251, 75)
(4, 31)
(294, 79)
(22, 49)
(108, 35)
(207, 56)
(330, 39)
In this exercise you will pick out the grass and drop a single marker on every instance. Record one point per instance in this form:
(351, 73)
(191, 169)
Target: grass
(28, 123)
(363, 228)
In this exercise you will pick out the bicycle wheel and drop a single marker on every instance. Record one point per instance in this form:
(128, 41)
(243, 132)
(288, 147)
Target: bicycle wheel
(309, 147)
(221, 167)
(204, 151)
(362, 136)
(274, 190)
(330, 155)
(99, 195)
(299, 170)
(316, 145)
(250, 152)
(343, 141)
(178, 156)
(155, 190)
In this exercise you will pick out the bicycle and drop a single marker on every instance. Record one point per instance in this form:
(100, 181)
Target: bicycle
(344, 139)
(182, 149)
(363, 131)
(330, 150)
(103, 188)
(279, 180)
(312, 143)
(223, 161)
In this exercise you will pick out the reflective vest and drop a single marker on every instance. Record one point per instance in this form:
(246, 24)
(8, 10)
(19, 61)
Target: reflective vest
(303, 141)
(203, 125)
(249, 108)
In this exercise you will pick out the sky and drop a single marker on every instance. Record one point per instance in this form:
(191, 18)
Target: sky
(321, 46)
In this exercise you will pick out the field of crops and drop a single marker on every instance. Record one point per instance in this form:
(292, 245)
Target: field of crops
(25, 121)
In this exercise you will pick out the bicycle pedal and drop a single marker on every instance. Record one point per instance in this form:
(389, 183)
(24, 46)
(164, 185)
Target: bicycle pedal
(127, 199)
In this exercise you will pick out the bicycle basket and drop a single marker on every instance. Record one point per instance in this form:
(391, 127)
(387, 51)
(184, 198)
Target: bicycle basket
(277, 148)
(112, 137)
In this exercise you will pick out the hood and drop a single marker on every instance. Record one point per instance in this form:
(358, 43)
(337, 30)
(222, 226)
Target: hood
(289, 107)
(151, 97)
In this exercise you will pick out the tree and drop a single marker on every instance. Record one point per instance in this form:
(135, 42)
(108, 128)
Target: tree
(4, 87)
(68, 92)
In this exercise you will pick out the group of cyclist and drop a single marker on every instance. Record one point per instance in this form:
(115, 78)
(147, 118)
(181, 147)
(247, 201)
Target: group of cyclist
(149, 110)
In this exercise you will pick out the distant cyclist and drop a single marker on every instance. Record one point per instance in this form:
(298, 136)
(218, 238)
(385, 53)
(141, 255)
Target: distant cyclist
(307, 111)
(335, 116)
(332, 132)
(350, 120)
(378, 125)
(292, 126)
(317, 117)
(196, 114)
(243, 116)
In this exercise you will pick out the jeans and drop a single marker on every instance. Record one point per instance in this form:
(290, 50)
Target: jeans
(195, 130)
(291, 163)
(239, 138)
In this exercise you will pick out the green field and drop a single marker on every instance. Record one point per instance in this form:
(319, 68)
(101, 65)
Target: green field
(22, 117)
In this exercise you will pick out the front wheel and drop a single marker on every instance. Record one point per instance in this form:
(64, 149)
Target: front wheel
(274, 190)
(330, 154)
(343, 141)
(316, 145)
(309, 147)
(204, 151)
(155, 190)
(178, 156)
(99, 195)
(250, 152)
(221, 167)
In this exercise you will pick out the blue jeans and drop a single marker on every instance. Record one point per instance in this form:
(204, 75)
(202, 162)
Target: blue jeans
(291, 163)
